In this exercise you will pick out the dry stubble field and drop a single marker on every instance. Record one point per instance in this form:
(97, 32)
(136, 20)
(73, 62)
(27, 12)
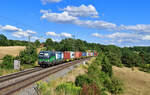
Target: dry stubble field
(135, 82)
(11, 50)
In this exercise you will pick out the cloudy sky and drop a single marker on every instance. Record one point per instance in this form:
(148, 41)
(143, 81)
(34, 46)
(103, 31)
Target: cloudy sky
(118, 22)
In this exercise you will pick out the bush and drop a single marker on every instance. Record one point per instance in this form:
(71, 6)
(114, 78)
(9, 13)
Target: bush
(92, 89)
(28, 56)
(42, 87)
(115, 86)
(82, 80)
(107, 67)
(8, 62)
(145, 67)
(68, 88)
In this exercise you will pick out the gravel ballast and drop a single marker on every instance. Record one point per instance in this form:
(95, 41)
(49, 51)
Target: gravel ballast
(31, 90)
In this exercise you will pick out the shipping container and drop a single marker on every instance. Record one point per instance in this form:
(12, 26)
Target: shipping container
(91, 53)
(77, 54)
(83, 54)
(80, 54)
(72, 55)
(87, 54)
(59, 55)
(95, 53)
(67, 55)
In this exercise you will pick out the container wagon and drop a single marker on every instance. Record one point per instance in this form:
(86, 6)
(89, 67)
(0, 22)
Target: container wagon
(80, 54)
(87, 54)
(59, 57)
(83, 54)
(77, 55)
(67, 56)
(72, 55)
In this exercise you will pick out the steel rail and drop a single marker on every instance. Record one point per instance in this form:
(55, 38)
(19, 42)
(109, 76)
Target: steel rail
(18, 74)
(11, 88)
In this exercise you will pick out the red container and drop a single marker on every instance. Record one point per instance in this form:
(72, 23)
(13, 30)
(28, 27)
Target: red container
(77, 54)
(80, 54)
(67, 55)
(95, 54)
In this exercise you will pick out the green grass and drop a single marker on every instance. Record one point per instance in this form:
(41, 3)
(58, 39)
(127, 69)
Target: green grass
(5, 71)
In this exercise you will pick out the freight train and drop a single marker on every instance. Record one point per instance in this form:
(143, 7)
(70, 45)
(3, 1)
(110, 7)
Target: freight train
(50, 58)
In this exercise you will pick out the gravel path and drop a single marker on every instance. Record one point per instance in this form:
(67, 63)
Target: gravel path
(31, 90)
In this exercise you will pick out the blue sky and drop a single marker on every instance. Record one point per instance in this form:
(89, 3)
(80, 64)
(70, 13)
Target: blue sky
(118, 22)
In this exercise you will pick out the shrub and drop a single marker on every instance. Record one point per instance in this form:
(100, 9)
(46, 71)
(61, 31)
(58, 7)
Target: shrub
(82, 80)
(107, 67)
(145, 67)
(8, 62)
(92, 89)
(68, 88)
(28, 56)
(42, 87)
(115, 86)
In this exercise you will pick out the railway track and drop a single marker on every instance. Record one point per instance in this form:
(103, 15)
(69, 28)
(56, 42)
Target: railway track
(16, 86)
(18, 74)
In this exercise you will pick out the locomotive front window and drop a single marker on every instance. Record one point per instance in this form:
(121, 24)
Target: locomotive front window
(43, 55)
(46, 55)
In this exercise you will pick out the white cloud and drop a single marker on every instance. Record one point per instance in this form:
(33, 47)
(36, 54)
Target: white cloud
(53, 34)
(81, 11)
(96, 24)
(20, 34)
(30, 32)
(71, 15)
(97, 35)
(68, 19)
(138, 28)
(122, 37)
(45, 11)
(13, 28)
(35, 37)
(17, 32)
(67, 35)
(146, 37)
(50, 1)
(59, 17)
(9, 28)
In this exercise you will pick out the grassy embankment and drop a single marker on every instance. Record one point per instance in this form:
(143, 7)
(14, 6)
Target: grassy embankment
(14, 51)
(49, 88)
(135, 82)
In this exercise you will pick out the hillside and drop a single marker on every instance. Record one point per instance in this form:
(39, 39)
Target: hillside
(11, 50)
(135, 81)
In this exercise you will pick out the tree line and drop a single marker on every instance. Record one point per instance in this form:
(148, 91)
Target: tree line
(126, 56)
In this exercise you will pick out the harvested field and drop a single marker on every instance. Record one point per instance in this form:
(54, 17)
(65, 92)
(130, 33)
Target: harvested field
(136, 82)
(11, 50)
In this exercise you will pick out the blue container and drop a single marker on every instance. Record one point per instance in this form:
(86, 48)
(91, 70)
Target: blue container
(59, 55)
(83, 53)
